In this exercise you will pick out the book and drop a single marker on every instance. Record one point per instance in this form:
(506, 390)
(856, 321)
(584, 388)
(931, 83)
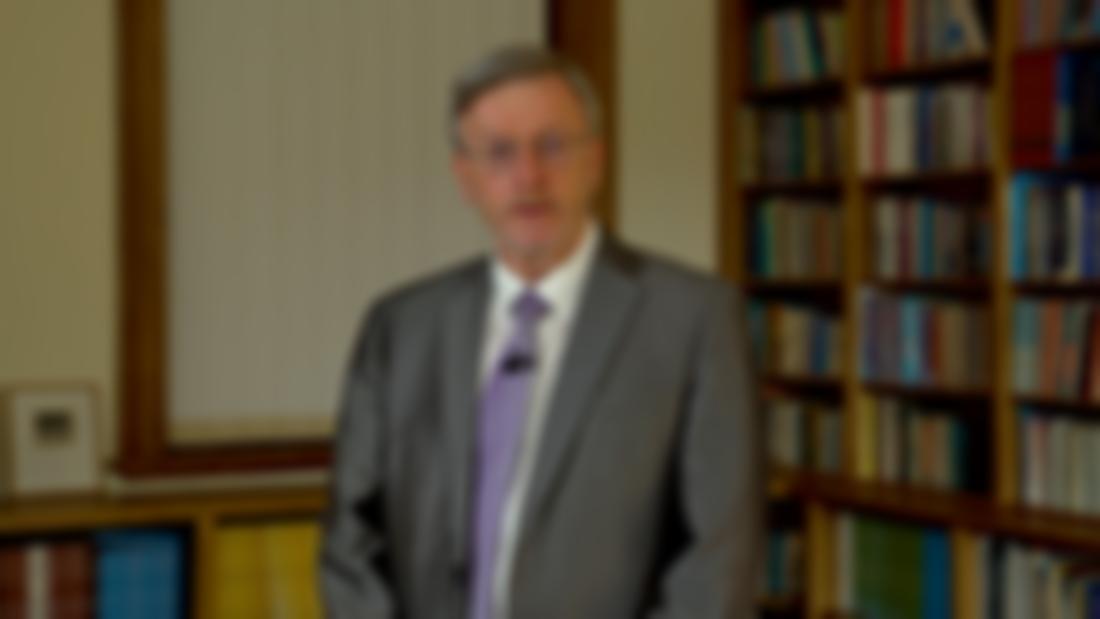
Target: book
(795, 239)
(906, 130)
(1054, 118)
(914, 32)
(918, 237)
(891, 569)
(795, 340)
(791, 143)
(1043, 22)
(267, 570)
(803, 434)
(923, 341)
(141, 573)
(1056, 348)
(1059, 461)
(796, 45)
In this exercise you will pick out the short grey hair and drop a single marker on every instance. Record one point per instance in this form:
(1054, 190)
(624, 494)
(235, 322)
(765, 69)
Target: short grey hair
(517, 62)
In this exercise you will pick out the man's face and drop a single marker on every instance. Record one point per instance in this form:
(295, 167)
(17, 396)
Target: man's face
(531, 165)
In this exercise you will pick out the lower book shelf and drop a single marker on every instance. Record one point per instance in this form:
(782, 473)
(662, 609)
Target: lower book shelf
(206, 555)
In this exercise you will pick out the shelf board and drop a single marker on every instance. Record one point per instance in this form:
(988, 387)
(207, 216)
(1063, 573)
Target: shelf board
(930, 392)
(1054, 287)
(1079, 166)
(1085, 44)
(763, 285)
(820, 384)
(954, 510)
(962, 285)
(971, 68)
(780, 604)
(825, 187)
(818, 89)
(926, 180)
(57, 515)
(1058, 402)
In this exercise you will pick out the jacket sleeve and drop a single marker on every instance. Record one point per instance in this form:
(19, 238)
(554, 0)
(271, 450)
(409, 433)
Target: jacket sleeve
(354, 579)
(719, 477)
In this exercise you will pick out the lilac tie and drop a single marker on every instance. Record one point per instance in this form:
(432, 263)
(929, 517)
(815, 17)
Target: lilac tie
(500, 431)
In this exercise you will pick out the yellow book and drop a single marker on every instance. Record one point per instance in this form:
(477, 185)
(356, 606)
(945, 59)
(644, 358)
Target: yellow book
(291, 553)
(240, 591)
(865, 437)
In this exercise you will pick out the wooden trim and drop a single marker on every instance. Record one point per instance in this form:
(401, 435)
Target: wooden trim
(587, 32)
(583, 30)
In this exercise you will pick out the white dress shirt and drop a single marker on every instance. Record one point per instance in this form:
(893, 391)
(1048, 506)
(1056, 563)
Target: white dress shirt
(561, 289)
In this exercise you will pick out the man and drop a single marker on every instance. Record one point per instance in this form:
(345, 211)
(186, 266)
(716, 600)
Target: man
(564, 431)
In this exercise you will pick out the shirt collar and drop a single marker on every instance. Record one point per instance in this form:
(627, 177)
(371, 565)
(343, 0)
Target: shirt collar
(561, 287)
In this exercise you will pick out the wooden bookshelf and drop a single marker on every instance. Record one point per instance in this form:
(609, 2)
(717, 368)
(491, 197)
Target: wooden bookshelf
(198, 514)
(997, 510)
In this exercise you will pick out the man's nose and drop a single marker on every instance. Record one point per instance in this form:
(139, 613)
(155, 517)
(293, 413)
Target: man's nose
(530, 167)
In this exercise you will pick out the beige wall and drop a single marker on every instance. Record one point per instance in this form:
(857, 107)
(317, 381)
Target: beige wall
(57, 190)
(667, 138)
(57, 283)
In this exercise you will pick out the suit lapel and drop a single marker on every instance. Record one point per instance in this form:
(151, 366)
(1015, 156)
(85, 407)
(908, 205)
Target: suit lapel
(464, 319)
(599, 326)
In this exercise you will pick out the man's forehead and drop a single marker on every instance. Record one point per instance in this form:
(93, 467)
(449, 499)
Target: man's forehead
(528, 99)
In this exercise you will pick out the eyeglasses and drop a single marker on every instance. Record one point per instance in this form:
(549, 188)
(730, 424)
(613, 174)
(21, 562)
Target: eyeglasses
(551, 149)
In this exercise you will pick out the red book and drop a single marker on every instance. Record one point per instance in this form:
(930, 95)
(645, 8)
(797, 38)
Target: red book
(71, 580)
(1092, 388)
(897, 29)
(13, 581)
(1033, 108)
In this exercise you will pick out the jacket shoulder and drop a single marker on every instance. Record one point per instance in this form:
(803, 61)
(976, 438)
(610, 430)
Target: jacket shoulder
(427, 293)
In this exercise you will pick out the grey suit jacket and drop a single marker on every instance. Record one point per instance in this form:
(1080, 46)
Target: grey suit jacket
(646, 499)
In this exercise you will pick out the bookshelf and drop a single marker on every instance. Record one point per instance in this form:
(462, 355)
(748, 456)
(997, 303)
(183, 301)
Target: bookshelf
(979, 187)
(201, 519)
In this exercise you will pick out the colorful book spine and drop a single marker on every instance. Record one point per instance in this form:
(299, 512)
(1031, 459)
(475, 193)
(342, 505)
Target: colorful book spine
(792, 143)
(1059, 461)
(926, 238)
(890, 569)
(922, 341)
(797, 45)
(803, 434)
(915, 32)
(908, 130)
(796, 340)
(795, 239)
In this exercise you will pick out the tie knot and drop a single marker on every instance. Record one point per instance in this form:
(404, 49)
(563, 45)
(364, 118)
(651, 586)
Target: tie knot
(529, 307)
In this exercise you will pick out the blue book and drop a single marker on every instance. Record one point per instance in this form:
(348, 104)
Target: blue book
(140, 573)
(936, 575)
(1063, 107)
(1018, 228)
(911, 342)
(924, 129)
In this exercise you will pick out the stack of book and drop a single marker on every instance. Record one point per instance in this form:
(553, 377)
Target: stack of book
(926, 447)
(1055, 229)
(1057, 349)
(783, 574)
(906, 130)
(1055, 97)
(795, 340)
(797, 45)
(791, 143)
(1043, 22)
(1060, 461)
(793, 239)
(890, 569)
(1018, 581)
(267, 570)
(804, 434)
(124, 573)
(141, 573)
(48, 579)
(927, 238)
(913, 32)
(922, 341)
